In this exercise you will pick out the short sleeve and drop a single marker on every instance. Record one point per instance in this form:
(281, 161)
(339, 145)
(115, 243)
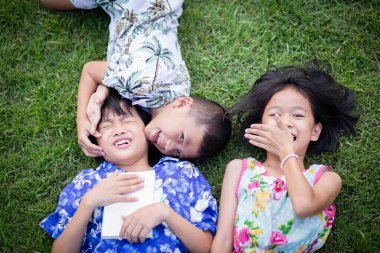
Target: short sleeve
(203, 206)
(68, 203)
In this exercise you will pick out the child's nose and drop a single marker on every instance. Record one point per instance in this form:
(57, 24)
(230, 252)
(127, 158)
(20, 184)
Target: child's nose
(287, 120)
(169, 147)
(118, 132)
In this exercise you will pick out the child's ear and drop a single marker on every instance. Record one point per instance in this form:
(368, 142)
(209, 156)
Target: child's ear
(183, 102)
(316, 131)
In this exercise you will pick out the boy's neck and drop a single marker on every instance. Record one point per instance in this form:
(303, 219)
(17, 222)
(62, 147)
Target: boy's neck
(135, 167)
(155, 111)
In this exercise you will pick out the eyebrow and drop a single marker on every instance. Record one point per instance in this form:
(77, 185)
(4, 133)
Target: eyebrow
(122, 116)
(293, 108)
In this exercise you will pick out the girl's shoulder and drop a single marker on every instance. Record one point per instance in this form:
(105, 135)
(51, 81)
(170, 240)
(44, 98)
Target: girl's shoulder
(316, 171)
(242, 163)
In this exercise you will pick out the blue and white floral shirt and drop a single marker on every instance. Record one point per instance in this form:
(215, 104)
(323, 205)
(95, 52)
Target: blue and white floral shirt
(179, 184)
(144, 57)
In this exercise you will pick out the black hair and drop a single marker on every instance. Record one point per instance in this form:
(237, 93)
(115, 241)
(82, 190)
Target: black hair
(332, 103)
(122, 106)
(218, 126)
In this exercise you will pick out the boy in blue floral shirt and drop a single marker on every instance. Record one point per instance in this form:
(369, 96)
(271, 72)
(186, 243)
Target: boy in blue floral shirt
(183, 217)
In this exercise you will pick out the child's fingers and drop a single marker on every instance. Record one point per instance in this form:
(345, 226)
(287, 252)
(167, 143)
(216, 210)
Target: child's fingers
(129, 176)
(93, 129)
(129, 179)
(126, 198)
(279, 121)
(131, 188)
(135, 234)
(258, 126)
(253, 132)
(128, 230)
(143, 234)
(91, 149)
(114, 174)
(123, 227)
(97, 134)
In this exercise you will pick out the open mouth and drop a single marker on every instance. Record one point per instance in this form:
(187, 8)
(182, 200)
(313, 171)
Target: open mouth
(156, 137)
(122, 142)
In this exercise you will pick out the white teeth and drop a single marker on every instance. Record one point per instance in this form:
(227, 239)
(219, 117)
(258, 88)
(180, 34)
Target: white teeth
(122, 142)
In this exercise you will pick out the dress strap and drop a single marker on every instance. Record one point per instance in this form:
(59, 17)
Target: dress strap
(319, 173)
(243, 168)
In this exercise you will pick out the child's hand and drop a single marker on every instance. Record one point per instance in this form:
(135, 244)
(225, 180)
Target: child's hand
(84, 131)
(113, 189)
(276, 140)
(94, 106)
(138, 224)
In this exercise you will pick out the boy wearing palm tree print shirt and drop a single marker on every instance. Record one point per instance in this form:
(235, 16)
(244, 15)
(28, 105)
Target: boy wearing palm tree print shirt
(144, 64)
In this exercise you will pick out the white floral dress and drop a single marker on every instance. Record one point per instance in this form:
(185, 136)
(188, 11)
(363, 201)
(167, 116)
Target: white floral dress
(179, 184)
(265, 220)
(144, 57)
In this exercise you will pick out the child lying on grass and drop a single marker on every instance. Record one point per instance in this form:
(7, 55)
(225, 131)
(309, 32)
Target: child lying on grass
(144, 64)
(183, 217)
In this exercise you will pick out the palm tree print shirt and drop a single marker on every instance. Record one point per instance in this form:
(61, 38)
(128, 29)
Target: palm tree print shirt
(144, 57)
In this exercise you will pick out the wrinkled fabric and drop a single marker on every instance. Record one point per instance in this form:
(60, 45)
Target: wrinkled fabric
(179, 184)
(144, 57)
(265, 217)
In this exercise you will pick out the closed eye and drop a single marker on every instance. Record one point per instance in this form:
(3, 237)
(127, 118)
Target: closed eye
(104, 126)
(126, 119)
(181, 138)
(273, 114)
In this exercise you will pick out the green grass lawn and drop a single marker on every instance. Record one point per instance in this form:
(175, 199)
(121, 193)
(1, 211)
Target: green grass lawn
(227, 45)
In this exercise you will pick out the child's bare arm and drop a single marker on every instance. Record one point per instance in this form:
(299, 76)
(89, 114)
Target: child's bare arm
(137, 225)
(306, 200)
(223, 241)
(194, 239)
(92, 75)
(58, 4)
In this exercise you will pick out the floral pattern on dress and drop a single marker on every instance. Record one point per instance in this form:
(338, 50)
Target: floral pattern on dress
(144, 56)
(265, 219)
(178, 184)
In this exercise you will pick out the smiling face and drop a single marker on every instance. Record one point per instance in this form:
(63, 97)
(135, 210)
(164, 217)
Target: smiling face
(295, 112)
(175, 131)
(123, 139)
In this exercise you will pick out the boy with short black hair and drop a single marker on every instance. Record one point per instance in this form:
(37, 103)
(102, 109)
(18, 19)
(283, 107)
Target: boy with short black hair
(145, 65)
(183, 214)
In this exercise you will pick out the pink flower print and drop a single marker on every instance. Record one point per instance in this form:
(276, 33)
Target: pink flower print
(254, 184)
(238, 250)
(277, 238)
(330, 222)
(312, 246)
(244, 235)
(236, 239)
(278, 188)
(330, 211)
